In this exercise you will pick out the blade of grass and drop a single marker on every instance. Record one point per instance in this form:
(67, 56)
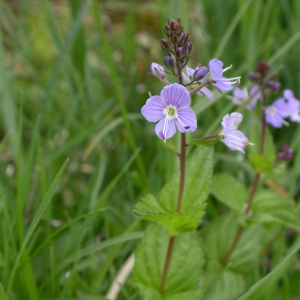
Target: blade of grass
(118, 93)
(34, 223)
(277, 272)
(2, 294)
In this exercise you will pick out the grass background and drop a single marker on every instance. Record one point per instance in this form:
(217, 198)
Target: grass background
(73, 78)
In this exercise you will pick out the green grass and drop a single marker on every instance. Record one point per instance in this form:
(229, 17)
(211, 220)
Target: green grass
(73, 78)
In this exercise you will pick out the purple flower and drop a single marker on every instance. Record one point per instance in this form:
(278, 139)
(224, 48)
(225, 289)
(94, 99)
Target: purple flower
(189, 77)
(255, 95)
(282, 108)
(241, 95)
(171, 110)
(216, 70)
(158, 70)
(234, 139)
(289, 96)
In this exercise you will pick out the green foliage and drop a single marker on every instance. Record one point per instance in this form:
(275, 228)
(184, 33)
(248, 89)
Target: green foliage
(204, 142)
(149, 262)
(197, 182)
(261, 163)
(229, 191)
(176, 223)
(269, 207)
(73, 78)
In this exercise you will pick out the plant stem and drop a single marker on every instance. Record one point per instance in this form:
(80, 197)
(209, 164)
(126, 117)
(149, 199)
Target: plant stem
(182, 171)
(182, 159)
(234, 244)
(167, 264)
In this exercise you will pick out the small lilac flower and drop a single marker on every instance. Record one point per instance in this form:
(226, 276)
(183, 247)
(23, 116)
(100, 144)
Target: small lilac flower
(234, 139)
(282, 108)
(189, 77)
(171, 109)
(216, 70)
(158, 70)
(255, 94)
(241, 95)
(289, 96)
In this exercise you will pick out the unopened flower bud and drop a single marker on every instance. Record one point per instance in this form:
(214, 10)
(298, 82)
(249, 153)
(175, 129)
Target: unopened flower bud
(166, 46)
(286, 153)
(273, 85)
(167, 31)
(180, 52)
(188, 49)
(263, 68)
(253, 77)
(169, 62)
(183, 39)
(158, 70)
(199, 73)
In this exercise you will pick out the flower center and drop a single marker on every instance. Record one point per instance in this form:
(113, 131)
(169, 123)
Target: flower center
(273, 111)
(170, 112)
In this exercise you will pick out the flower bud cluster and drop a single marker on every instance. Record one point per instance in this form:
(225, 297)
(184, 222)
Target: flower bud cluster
(286, 153)
(263, 78)
(177, 47)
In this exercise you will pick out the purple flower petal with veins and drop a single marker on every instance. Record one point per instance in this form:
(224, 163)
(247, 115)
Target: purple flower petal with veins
(234, 139)
(171, 110)
(216, 70)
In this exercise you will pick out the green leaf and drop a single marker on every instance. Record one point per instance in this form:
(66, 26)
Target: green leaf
(2, 294)
(204, 142)
(176, 223)
(262, 164)
(197, 181)
(269, 207)
(185, 267)
(229, 191)
(228, 286)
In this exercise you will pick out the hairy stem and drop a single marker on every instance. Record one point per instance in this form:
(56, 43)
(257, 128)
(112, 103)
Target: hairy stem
(182, 158)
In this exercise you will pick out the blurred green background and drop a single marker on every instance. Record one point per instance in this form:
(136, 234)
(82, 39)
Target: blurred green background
(73, 78)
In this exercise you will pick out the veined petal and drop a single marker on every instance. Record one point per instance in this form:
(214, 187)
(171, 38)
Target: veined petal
(153, 109)
(232, 121)
(189, 72)
(177, 95)
(165, 128)
(205, 91)
(235, 140)
(215, 68)
(186, 120)
(223, 86)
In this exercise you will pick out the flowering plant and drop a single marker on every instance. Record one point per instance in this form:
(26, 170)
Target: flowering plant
(169, 261)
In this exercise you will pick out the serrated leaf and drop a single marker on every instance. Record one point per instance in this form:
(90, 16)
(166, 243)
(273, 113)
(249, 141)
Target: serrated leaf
(269, 207)
(204, 142)
(228, 286)
(185, 267)
(229, 191)
(176, 223)
(197, 181)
